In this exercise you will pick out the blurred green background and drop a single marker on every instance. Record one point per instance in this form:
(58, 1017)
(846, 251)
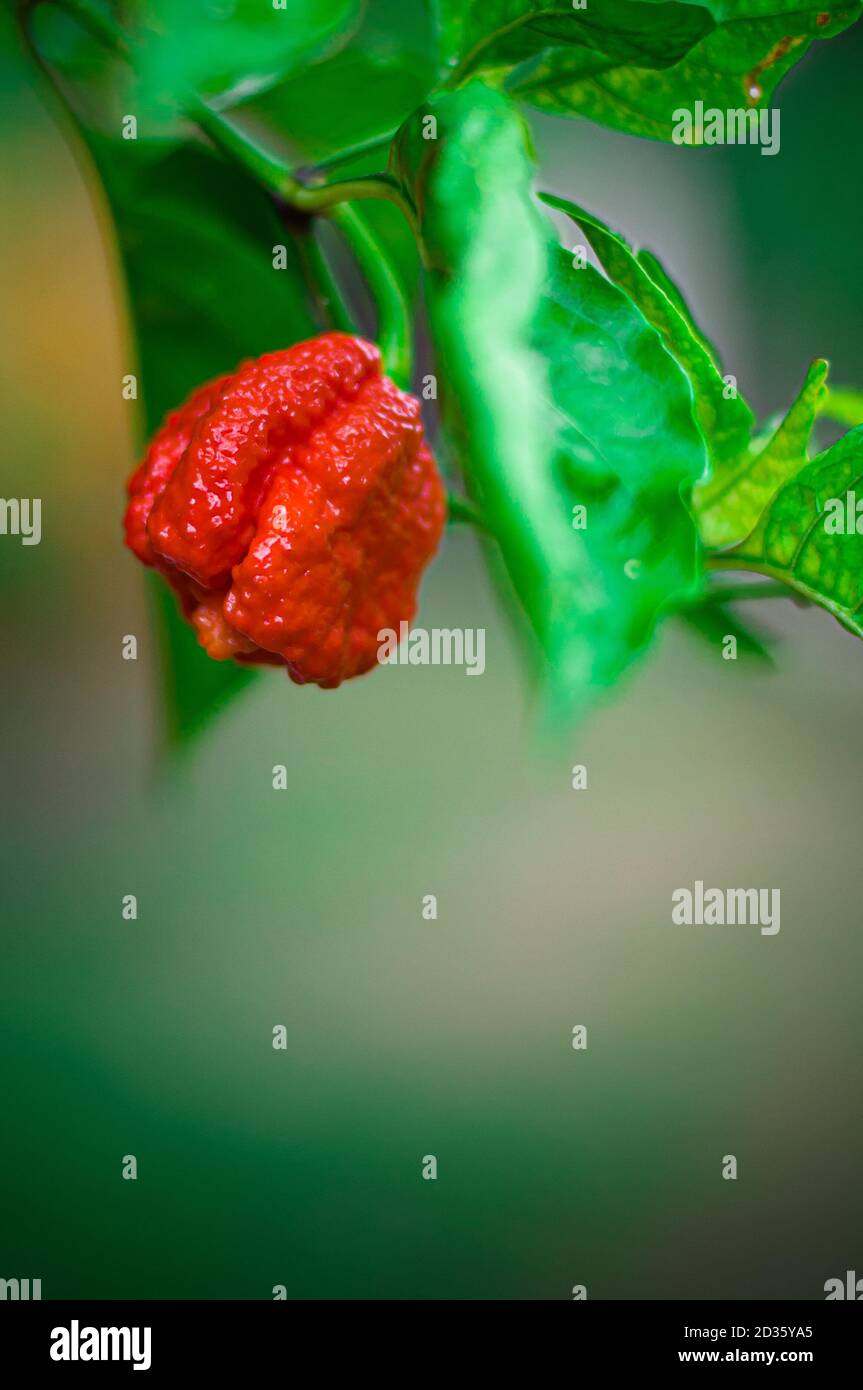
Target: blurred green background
(303, 908)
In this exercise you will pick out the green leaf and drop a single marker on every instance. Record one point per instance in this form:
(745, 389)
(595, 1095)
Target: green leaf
(195, 688)
(737, 65)
(196, 242)
(234, 49)
(627, 448)
(368, 89)
(656, 272)
(714, 621)
(556, 394)
(845, 405)
(467, 184)
(723, 414)
(796, 539)
(729, 504)
(493, 36)
(745, 472)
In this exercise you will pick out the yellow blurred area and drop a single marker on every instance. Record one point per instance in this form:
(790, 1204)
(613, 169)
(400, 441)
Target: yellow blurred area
(65, 348)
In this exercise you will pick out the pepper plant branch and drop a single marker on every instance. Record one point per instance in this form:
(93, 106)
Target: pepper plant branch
(727, 560)
(351, 152)
(741, 593)
(272, 173)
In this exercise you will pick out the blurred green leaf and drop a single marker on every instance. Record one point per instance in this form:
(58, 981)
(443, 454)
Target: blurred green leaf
(729, 504)
(738, 64)
(557, 393)
(196, 242)
(368, 89)
(97, 84)
(65, 43)
(796, 541)
(195, 688)
(714, 621)
(492, 36)
(483, 290)
(843, 404)
(232, 48)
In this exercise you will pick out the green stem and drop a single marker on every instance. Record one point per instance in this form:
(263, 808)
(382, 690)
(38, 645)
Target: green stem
(377, 142)
(459, 509)
(395, 334)
(777, 587)
(458, 75)
(275, 176)
(741, 593)
(320, 199)
(395, 329)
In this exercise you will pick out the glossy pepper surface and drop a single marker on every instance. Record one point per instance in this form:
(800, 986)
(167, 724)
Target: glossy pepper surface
(293, 506)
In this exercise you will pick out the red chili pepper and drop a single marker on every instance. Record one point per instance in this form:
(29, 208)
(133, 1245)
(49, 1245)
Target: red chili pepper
(293, 506)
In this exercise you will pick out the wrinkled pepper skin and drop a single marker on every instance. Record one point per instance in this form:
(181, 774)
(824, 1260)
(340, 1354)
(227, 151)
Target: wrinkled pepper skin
(293, 506)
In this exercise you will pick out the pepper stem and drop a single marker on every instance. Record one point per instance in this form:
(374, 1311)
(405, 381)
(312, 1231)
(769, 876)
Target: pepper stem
(395, 334)
(272, 173)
